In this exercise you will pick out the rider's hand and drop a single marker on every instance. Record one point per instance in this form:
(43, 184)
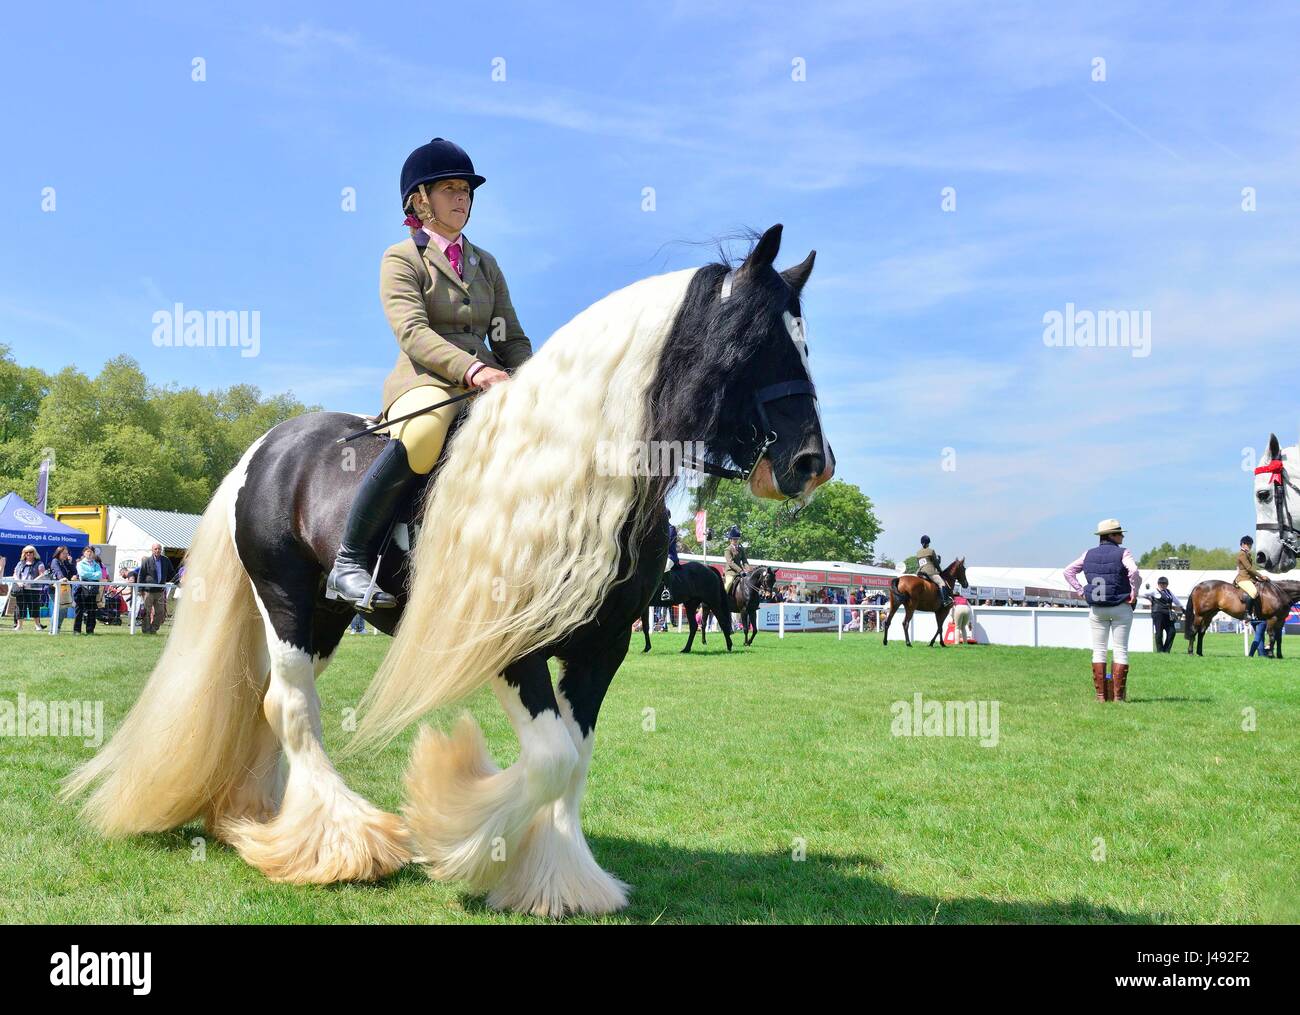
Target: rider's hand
(488, 376)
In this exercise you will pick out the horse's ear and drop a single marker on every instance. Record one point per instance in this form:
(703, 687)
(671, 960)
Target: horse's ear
(798, 275)
(765, 251)
(1274, 448)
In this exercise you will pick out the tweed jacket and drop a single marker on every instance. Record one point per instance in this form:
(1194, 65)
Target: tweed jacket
(1246, 568)
(443, 323)
(927, 561)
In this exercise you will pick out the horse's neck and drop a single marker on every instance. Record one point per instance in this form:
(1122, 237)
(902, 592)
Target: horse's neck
(1290, 591)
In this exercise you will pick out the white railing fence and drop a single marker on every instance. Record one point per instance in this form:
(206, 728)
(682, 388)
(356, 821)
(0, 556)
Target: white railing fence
(58, 609)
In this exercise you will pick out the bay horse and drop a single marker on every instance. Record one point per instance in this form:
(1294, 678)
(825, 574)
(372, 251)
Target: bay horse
(1213, 596)
(755, 586)
(692, 585)
(540, 538)
(916, 592)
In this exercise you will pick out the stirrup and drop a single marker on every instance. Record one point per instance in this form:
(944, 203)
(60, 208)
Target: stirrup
(366, 603)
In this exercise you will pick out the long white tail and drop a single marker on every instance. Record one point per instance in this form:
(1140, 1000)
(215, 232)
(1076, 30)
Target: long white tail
(186, 742)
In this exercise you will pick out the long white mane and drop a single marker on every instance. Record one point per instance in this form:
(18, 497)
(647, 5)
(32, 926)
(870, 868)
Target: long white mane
(519, 538)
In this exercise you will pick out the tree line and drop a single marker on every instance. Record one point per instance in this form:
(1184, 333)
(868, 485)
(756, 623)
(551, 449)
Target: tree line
(115, 438)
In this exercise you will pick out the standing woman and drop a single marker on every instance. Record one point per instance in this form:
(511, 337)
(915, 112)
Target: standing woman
(88, 570)
(27, 597)
(62, 572)
(456, 329)
(1113, 583)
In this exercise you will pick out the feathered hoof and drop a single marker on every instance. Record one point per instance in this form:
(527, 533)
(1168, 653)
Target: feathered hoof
(553, 873)
(315, 843)
(457, 803)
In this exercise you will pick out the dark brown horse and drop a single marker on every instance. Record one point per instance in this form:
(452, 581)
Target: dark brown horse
(915, 592)
(694, 585)
(1214, 596)
(755, 586)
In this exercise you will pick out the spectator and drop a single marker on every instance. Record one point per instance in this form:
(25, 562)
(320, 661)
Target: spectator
(154, 570)
(1257, 646)
(62, 572)
(963, 618)
(24, 592)
(1163, 604)
(1112, 590)
(124, 583)
(87, 596)
(121, 590)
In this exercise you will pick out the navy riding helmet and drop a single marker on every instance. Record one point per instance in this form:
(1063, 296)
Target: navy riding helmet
(925, 540)
(440, 159)
(733, 532)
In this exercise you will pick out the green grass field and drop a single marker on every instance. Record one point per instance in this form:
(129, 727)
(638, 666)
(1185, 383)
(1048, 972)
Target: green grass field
(750, 756)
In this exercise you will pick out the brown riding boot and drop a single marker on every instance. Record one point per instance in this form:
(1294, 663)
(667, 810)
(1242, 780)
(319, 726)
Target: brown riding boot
(1099, 680)
(1121, 681)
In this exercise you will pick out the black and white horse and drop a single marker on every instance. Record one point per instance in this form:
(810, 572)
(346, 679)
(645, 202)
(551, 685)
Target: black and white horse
(539, 539)
(692, 585)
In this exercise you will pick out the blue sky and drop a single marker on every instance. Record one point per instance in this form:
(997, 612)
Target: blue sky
(925, 325)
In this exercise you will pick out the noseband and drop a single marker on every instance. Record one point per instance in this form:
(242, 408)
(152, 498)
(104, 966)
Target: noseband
(762, 396)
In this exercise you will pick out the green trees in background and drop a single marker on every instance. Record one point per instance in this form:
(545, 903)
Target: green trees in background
(117, 439)
(1201, 559)
(839, 524)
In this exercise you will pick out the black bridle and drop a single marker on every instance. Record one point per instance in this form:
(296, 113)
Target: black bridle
(1287, 532)
(767, 436)
(769, 393)
(749, 580)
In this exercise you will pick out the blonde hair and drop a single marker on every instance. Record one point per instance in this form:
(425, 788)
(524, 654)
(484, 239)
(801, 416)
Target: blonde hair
(520, 537)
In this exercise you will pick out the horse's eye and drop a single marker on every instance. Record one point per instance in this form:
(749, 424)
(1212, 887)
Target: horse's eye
(1262, 495)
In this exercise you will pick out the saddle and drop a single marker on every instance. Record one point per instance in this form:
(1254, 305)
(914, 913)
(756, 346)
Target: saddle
(671, 588)
(404, 528)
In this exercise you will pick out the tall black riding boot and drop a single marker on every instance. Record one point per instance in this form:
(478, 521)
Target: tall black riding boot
(385, 483)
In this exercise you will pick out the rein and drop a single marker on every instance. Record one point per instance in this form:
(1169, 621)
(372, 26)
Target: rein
(751, 586)
(385, 424)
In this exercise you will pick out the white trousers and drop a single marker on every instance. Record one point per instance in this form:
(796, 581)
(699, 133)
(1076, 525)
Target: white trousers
(1110, 622)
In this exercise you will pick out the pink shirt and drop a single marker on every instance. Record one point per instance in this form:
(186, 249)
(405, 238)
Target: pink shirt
(1130, 565)
(442, 241)
(443, 244)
